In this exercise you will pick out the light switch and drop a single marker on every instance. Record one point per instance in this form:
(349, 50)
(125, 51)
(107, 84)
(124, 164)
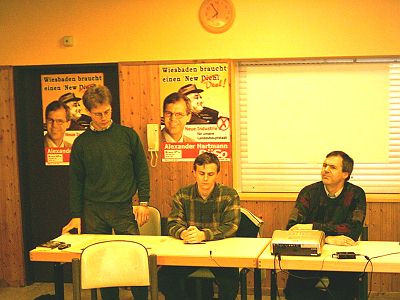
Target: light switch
(68, 41)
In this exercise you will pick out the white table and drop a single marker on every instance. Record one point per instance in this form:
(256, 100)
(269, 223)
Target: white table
(377, 251)
(230, 252)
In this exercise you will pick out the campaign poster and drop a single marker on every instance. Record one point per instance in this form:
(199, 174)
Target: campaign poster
(201, 122)
(62, 92)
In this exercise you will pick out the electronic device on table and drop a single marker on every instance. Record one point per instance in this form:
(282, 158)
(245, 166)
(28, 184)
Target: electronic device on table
(297, 242)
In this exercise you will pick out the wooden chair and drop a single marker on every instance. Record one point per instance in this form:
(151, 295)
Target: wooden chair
(115, 263)
(250, 226)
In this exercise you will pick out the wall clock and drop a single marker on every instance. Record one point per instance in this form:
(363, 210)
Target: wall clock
(217, 16)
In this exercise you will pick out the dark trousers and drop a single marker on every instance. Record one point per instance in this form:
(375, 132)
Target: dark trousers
(172, 282)
(301, 285)
(101, 218)
(138, 292)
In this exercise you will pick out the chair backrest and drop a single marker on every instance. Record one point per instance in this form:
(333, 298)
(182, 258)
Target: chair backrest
(250, 225)
(364, 234)
(114, 263)
(153, 225)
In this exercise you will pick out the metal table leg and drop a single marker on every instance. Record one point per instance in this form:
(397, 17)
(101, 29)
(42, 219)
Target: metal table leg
(273, 285)
(59, 281)
(76, 279)
(257, 284)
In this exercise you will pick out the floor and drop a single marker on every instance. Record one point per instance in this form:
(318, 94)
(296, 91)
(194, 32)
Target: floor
(37, 289)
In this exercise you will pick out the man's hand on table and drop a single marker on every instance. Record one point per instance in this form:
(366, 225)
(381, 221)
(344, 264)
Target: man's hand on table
(193, 235)
(340, 240)
(73, 223)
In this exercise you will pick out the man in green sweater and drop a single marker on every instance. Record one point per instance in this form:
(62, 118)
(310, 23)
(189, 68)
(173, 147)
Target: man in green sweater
(107, 167)
(338, 208)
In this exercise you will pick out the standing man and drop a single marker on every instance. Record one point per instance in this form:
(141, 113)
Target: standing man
(58, 119)
(200, 114)
(203, 211)
(337, 208)
(108, 166)
(177, 113)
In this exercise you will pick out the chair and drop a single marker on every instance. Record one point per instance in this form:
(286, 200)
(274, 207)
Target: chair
(153, 225)
(250, 226)
(114, 263)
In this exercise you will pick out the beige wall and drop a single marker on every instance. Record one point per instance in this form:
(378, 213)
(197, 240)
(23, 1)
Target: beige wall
(148, 30)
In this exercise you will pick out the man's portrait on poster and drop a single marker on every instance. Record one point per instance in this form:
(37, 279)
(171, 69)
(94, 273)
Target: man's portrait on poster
(200, 114)
(57, 121)
(176, 114)
(79, 120)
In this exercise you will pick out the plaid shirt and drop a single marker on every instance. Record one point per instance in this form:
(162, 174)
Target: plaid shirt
(218, 216)
(343, 215)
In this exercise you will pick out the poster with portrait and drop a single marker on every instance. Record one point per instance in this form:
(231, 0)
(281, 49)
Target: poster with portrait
(62, 93)
(201, 121)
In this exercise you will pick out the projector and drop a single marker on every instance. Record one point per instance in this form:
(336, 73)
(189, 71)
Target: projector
(297, 242)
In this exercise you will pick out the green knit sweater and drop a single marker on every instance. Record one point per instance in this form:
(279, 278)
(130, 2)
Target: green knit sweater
(107, 166)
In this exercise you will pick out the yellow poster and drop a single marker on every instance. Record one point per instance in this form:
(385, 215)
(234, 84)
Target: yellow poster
(200, 121)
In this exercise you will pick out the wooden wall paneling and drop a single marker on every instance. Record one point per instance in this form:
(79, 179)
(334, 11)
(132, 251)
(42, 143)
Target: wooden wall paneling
(384, 225)
(12, 271)
(383, 221)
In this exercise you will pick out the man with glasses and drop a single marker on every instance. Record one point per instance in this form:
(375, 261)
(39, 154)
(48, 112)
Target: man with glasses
(176, 109)
(58, 119)
(108, 166)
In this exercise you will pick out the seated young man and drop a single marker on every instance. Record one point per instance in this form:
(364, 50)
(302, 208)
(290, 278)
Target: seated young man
(203, 211)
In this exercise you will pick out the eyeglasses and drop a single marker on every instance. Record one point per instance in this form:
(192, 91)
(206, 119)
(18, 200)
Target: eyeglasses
(56, 121)
(103, 114)
(178, 115)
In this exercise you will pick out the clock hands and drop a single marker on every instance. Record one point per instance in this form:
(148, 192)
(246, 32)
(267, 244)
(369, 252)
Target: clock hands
(216, 11)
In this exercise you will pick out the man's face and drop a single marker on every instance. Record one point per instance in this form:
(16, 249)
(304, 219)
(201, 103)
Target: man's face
(75, 109)
(331, 172)
(205, 176)
(175, 118)
(57, 124)
(196, 101)
(101, 116)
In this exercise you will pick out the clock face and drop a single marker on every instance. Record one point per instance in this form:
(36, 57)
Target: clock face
(217, 16)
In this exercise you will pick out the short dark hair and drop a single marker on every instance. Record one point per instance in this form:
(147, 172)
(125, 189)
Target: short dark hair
(206, 158)
(96, 95)
(176, 97)
(347, 164)
(56, 105)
